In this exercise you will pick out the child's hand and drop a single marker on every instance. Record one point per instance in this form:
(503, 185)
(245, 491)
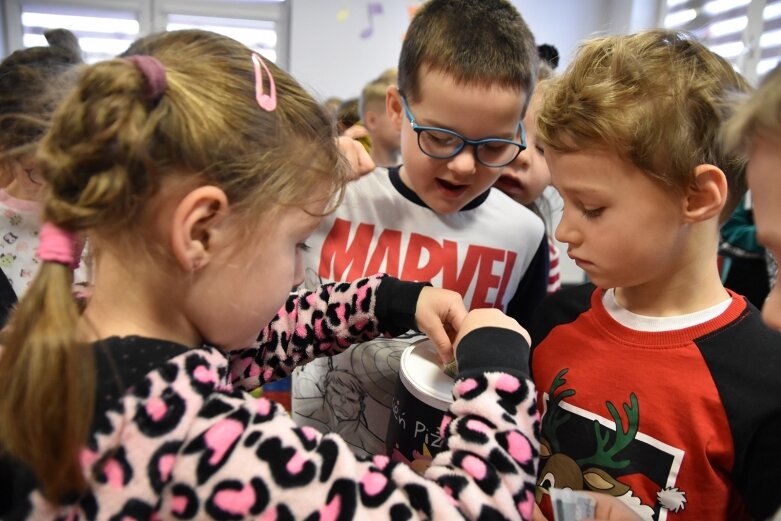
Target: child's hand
(359, 159)
(478, 318)
(357, 131)
(439, 313)
(537, 514)
(609, 508)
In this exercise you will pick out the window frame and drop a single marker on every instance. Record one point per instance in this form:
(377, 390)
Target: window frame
(277, 12)
(748, 60)
(153, 16)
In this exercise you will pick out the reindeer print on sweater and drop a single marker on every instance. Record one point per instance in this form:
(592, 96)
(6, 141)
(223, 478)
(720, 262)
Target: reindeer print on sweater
(678, 422)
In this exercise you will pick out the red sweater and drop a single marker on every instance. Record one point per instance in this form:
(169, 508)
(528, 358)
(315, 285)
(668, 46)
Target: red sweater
(698, 410)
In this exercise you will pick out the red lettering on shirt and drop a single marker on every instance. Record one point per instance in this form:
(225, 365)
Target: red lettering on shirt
(425, 258)
(413, 270)
(485, 278)
(335, 250)
(389, 250)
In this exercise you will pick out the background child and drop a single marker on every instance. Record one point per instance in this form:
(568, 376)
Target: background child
(465, 70)
(742, 258)
(525, 179)
(383, 134)
(149, 420)
(347, 115)
(331, 105)
(32, 81)
(756, 128)
(549, 54)
(348, 122)
(658, 386)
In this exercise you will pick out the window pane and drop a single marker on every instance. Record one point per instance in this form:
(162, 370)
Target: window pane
(259, 35)
(770, 41)
(102, 33)
(718, 24)
(716, 7)
(766, 66)
(731, 26)
(772, 11)
(679, 18)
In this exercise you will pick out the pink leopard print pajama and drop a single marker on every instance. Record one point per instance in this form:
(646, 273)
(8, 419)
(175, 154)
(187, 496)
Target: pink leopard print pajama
(177, 436)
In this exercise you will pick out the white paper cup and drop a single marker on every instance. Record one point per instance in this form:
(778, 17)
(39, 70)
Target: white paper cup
(423, 394)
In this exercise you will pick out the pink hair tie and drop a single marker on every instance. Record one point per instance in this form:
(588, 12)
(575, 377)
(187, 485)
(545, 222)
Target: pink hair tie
(58, 245)
(153, 71)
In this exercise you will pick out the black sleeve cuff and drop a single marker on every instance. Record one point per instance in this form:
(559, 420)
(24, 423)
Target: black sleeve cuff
(396, 303)
(493, 349)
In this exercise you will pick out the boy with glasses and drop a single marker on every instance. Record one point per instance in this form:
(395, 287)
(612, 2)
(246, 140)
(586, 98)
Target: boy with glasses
(465, 72)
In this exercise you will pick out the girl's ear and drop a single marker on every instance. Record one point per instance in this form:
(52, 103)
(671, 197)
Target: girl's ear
(707, 194)
(393, 107)
(195, 227)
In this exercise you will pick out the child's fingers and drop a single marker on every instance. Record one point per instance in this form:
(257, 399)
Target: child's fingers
(537, 514)
(439, 315)
(359, 160)
(433, 325)
(442, 342)
(365, 161)
(609, 508)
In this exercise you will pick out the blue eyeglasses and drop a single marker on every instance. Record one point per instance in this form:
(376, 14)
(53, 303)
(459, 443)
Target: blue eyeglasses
(441, 143)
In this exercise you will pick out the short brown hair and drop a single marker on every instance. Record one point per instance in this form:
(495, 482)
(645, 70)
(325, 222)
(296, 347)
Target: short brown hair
(482, 42)
(757, 115)
(657, 98)
(32, 82)
(374, 91)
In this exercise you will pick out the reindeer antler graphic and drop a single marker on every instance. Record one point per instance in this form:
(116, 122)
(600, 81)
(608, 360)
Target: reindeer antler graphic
(604, 455)
(561, 470)
(556, 416)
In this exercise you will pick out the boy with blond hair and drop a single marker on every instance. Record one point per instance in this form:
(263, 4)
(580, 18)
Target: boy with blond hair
(756, 128)
(465, 72)
(657, 385)
(384, 136)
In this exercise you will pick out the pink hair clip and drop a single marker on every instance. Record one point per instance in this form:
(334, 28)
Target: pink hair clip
(267, 102)
(58, 245)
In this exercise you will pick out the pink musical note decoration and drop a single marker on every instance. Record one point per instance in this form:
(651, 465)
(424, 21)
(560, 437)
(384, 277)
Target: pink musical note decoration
(373, 9)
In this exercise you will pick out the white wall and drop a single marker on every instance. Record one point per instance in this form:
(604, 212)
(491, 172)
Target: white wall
(328, 54)
(564, 23)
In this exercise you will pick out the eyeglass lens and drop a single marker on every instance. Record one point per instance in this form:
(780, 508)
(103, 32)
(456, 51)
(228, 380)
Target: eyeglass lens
(441, 144)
